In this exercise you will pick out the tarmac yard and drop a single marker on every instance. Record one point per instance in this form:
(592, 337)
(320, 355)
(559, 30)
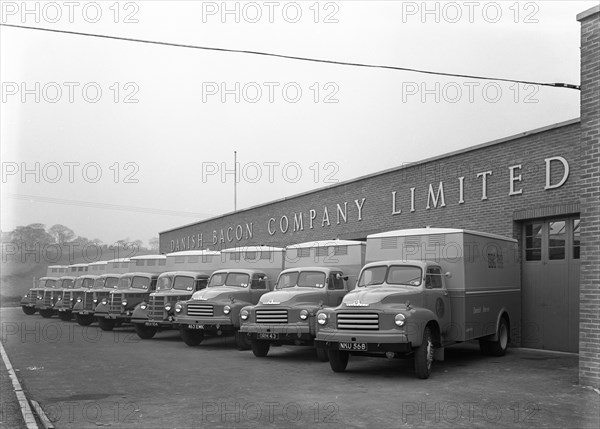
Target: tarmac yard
(87, 378)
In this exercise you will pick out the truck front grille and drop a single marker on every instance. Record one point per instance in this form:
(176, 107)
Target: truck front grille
(66, 298)
(88, 300)
(358, 321)
(47, 301)
(115, 303)
(203, 310)
(156, 308)
(272, 315)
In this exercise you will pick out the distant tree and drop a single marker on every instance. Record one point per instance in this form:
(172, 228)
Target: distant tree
(61, 233)
(31, 235)
(153, 244)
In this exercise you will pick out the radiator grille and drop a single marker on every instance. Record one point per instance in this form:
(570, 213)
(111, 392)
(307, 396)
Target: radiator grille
(47, 301)
(271, 315)
(115, 303)
(205, 310)
(156, 310)
(358, 321)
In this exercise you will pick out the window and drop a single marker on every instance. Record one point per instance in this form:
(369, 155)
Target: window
(434, 278)
(557, 239)
(115, 265)
(124, 264)
(250, 256)
(193, 259)
(265, 254)
(234, 256)
(179, 259)
(258, 282)
(336, 281)
(322, 251)
(533, 242)
(162, 262)
(576, 239)
(151, 262)
(139, 262)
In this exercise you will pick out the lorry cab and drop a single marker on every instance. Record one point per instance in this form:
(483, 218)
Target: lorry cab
(317, 275)
(84, 308)
(444, 286)
(247, 274)
(131, 290)
(73, 294)
(158, 312)
(52, 291)
(33, 298)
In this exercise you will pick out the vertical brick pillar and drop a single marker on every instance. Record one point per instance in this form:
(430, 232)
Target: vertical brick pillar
(589, 314)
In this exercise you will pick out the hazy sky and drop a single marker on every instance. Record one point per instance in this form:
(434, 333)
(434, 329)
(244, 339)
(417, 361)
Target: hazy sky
(129, 127)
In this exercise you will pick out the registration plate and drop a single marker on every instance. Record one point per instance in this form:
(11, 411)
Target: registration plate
(357, 347)
(194, 326)
(268, 336)
(83, 313)
(151, 324)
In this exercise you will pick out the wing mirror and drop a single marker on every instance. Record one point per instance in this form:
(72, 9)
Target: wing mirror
(448, 274)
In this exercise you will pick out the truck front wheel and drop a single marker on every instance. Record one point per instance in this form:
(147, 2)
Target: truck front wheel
(338, 360)
(260, 348)
(241, 341)
(84, 319)
(498, 348)
(106, 324)
(28, 310)
(191, 337)
(46, 314)
(424, 355)
(145, 332)
(65, 316)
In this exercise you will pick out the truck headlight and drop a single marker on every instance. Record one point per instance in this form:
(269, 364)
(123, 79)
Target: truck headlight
(39, 297)
(244, 314)
(226, 309)
(178, 308)
(322, 318)
(143, 306)
(26, 295)
(168, 306)
(399, 319)
(124, 303)
(78, 299)
(304, 314)
(104, 301)
(95, 300)
(59, 298)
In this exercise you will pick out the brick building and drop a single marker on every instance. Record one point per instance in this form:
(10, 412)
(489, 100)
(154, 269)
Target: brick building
(540, 187)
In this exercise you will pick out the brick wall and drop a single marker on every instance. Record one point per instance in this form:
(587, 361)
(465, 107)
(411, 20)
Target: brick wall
(495, 215)
(589, 318)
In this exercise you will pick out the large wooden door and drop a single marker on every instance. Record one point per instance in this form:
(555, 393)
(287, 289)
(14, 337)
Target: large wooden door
(550, 288)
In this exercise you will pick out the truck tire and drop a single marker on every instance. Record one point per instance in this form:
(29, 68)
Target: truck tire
(28, 310)
(191, 337)
(424, 355)
(498, 348)
(65, 316)
(241, 341)
(260, 348)
(145, 332)
(322, 355)
(46, 314)
(84, 319)
(338, 360)
(106, 324)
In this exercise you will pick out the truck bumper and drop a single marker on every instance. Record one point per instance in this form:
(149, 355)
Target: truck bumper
(208, 324)
(375, 343)
(287, 333)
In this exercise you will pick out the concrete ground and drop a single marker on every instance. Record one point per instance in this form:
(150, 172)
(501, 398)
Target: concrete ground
(84, 377)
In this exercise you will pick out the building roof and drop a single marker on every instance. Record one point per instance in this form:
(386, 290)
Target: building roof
(430, 231)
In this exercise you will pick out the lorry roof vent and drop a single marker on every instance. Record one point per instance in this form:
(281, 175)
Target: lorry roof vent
(412, 240)
(389, 243)
(340, 250)
(304, 252)
(322, 251)
(437, 240)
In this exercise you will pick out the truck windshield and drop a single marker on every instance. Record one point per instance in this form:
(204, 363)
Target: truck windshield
(99, 283)
(124, 283)
(372, 276)
(88, 283)
(217, 280)
(78, 283)
(111, 282)
(184, 283)
(65, 283)
(140, 282)
(404, 275)
(164, 283)
(302, 279)
(237, 279)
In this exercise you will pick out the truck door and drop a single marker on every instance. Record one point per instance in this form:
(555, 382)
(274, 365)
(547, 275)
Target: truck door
(336, 289)
(258, 287)
(436, 297)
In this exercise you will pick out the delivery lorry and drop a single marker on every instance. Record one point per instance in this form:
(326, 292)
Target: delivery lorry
(246, 274)
(317, 275)
(422, 290)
